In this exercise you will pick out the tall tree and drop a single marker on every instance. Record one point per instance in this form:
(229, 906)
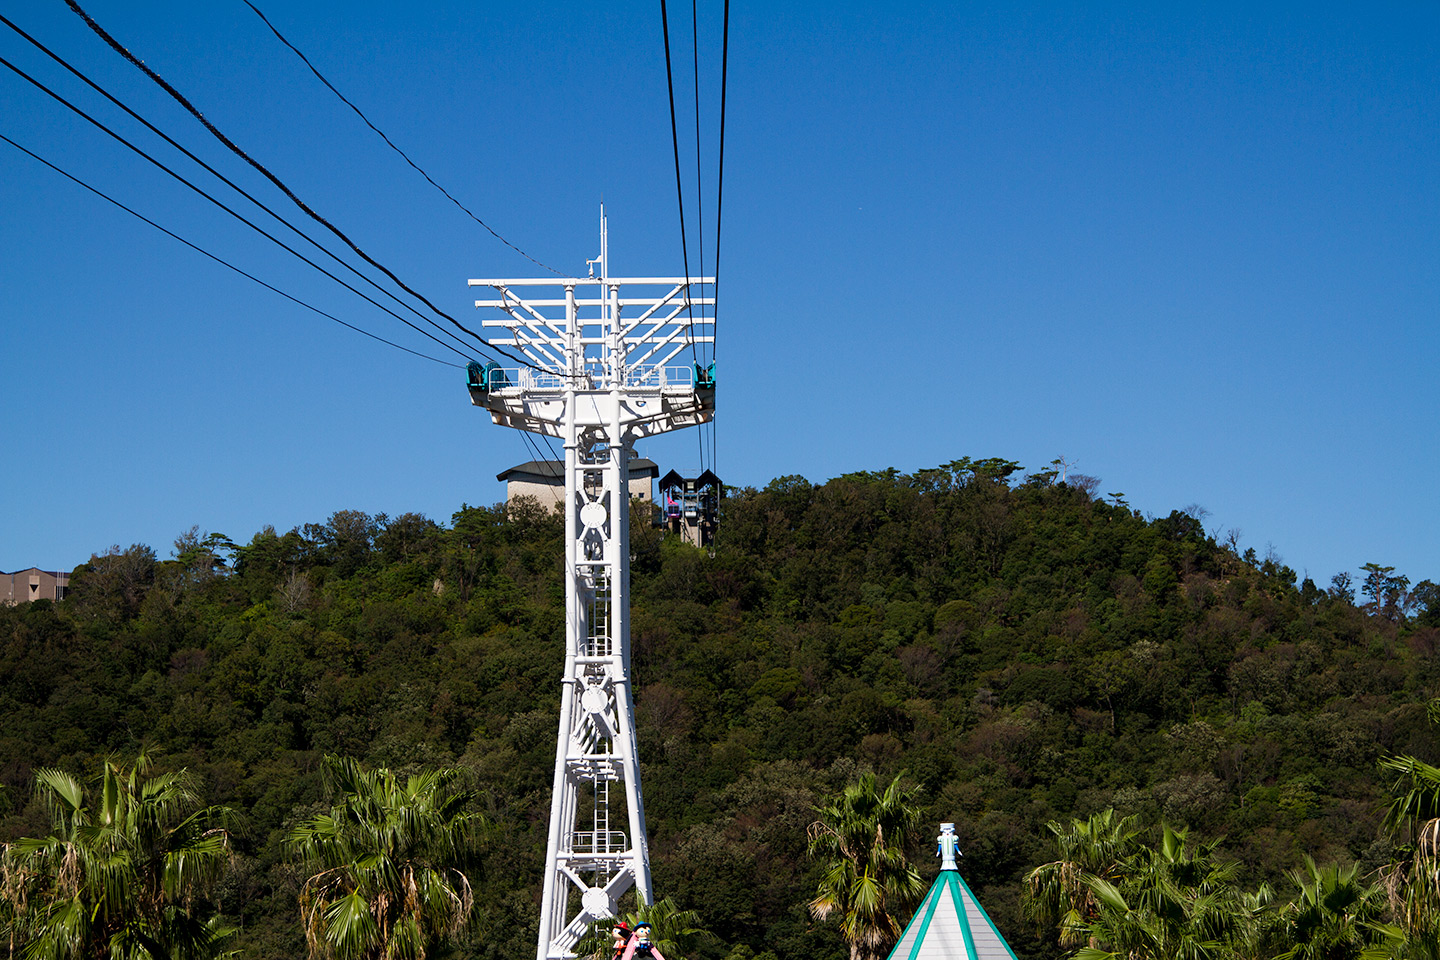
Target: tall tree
(123, 875)
(1175, 902)
(1389, 595)
(862, 834)
(385, 878)
(1059, 893)
(1334, 916)
(1412, 820)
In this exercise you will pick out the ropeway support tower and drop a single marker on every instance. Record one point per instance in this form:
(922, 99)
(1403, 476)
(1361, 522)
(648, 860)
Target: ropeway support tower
(610, 360)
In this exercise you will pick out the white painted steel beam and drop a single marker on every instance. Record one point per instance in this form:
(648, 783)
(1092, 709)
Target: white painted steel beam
(603, 375)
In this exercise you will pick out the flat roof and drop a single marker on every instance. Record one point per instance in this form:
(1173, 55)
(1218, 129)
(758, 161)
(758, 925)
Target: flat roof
(547, 471)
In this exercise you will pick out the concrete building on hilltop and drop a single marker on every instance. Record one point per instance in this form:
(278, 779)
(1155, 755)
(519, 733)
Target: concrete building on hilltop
(33, 584)
(545, 480)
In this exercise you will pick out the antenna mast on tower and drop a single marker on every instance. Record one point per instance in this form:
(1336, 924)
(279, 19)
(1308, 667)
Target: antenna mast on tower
(609, 363)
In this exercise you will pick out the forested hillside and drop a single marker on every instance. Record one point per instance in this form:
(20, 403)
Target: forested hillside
(1024, 651)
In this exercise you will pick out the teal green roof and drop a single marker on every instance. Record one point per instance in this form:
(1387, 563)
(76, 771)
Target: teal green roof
(950, 924)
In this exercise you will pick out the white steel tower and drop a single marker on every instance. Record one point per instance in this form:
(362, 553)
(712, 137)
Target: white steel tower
(610, 360)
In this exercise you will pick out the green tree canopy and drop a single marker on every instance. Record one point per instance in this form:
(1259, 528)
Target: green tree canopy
(124, 874)
(1060, 893)
(861, 837)
(385, 863)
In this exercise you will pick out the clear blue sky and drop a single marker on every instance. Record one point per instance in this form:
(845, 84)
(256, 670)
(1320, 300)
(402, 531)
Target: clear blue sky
(1194, 251)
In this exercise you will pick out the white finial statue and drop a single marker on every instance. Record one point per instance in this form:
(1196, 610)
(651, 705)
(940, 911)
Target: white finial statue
(947, 847)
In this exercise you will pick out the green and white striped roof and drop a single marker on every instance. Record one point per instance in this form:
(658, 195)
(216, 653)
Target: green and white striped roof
(950, 923)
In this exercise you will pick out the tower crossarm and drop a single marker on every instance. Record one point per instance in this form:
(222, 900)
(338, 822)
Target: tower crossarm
(620, 367)
(540, 350)
(675, 350)
(628, 330)
(653, 308)
(525, 312)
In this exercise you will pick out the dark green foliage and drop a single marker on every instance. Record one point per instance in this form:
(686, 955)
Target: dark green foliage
(1026, 653)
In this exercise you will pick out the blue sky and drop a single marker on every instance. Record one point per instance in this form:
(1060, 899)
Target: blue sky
(1196, 252)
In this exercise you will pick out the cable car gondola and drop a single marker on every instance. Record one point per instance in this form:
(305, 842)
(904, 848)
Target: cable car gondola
(690, 506)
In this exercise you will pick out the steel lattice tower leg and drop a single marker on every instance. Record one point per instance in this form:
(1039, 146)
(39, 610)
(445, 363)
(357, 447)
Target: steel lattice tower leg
(595, 748)
(598, 378)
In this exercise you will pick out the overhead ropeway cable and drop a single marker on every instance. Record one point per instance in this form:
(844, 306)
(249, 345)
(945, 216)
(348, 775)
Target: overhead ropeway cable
(228, 182)
(708, 362)
(405, 156)
(719, 207)
(680, 193)
(699, 181)
(243, 219)
(220, 260)
(190, 108)
(675, 143)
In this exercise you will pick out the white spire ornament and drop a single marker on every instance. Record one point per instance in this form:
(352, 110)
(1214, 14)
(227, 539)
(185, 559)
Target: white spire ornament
(947, 847)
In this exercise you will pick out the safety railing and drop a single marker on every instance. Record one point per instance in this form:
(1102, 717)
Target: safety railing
(599, 841)
(524, 378)
(659, 378)
(503, 379)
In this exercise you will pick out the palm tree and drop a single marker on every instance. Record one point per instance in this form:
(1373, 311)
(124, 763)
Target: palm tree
(121, 878)
(1059, 892)
(1413, 819)
(385, 882)
(1397, 944)
(1173, 903)
(863, 833)
(1334, 917)
(1418, 795)
(1262, 930)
